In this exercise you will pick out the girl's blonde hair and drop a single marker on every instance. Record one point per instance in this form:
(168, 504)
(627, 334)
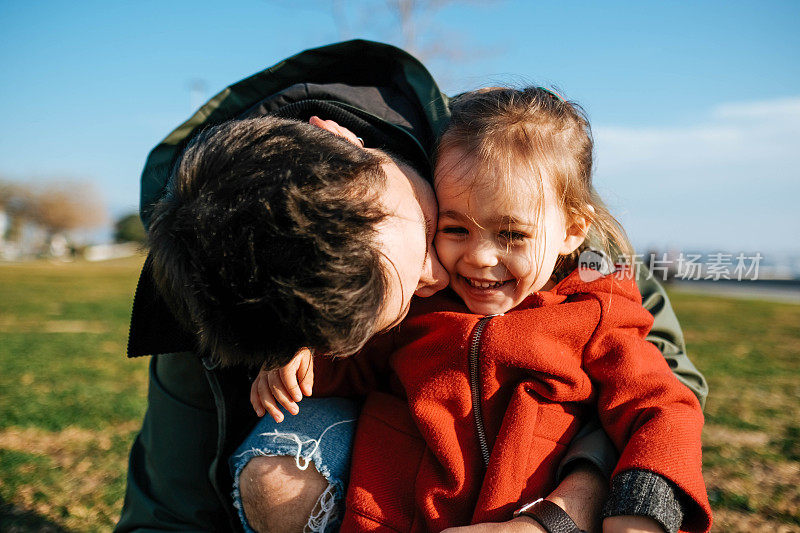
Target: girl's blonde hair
(535, 133)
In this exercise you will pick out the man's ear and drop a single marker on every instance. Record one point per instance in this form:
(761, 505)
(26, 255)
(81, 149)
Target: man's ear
(576, 233)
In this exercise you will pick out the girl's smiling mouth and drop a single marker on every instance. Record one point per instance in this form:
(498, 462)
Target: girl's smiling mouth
(483, 284)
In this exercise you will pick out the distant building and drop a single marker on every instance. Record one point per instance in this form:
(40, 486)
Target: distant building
(104, 252)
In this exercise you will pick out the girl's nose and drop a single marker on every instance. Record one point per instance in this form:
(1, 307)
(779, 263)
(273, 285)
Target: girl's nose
(481, 254)
(433, 277)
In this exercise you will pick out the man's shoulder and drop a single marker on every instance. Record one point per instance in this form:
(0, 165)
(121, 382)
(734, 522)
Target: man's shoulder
(340, 63)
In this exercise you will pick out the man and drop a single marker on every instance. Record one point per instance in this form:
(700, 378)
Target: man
(198, 409)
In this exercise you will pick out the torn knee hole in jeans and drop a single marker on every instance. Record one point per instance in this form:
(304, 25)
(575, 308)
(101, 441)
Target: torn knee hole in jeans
(305, 448)
(326, 510)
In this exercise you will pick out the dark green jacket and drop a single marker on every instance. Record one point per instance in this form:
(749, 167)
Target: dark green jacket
(197, 413)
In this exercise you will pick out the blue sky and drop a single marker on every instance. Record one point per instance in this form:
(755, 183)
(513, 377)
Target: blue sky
(697, 103)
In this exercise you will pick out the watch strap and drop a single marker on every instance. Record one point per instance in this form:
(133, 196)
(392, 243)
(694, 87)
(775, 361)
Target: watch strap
(551, 517)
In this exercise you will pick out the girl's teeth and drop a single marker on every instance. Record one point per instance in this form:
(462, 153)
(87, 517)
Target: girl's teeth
(484, 284)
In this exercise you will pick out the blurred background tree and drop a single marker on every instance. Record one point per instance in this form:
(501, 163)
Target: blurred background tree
(129, 228)
(16, 202)
(44, 217)
(408, 24)
(61, 207)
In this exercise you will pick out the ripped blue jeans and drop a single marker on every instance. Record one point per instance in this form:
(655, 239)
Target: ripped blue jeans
(320, 435)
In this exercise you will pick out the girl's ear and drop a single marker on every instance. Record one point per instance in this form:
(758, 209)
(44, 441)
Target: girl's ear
(577, 229)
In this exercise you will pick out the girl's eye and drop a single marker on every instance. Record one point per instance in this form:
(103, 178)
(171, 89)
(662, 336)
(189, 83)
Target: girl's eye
(513, 236)
(453, 230)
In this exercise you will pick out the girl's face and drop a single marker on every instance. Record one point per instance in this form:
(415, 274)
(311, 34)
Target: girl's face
(498, 248)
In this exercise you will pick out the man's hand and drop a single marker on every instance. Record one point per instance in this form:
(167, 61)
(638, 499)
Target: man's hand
(581, 494)
(631, 524)
(284, 386)
(522, 524)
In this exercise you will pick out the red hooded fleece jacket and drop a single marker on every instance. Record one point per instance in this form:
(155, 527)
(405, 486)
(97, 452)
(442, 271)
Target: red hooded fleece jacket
(482, 408)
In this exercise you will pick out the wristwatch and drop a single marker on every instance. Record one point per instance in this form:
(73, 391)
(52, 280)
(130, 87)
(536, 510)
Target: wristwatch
(552, 517)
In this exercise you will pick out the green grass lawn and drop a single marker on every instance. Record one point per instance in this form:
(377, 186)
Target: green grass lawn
(750, 353)
(71, 403)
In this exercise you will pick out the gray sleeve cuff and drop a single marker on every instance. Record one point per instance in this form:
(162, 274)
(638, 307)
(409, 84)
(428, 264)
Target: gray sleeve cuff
(645, 493)
(593, 445)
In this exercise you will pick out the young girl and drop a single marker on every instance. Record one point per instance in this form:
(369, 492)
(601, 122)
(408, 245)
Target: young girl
(492, 379)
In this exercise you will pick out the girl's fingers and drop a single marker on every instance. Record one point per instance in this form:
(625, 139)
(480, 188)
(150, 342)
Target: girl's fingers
(280, 393)
(316, 121)
(255, 401)
(336, 129)
(288, 377)
(306, 373)
(268, 401)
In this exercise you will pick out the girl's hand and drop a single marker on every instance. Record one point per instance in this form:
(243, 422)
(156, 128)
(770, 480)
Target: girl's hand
(336, 129)
(284, 386)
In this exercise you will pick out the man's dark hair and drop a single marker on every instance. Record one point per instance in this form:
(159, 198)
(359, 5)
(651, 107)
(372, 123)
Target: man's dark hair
(265, 241)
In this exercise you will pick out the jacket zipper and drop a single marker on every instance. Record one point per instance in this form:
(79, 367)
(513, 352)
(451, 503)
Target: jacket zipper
(475, 387)
(214, 381)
